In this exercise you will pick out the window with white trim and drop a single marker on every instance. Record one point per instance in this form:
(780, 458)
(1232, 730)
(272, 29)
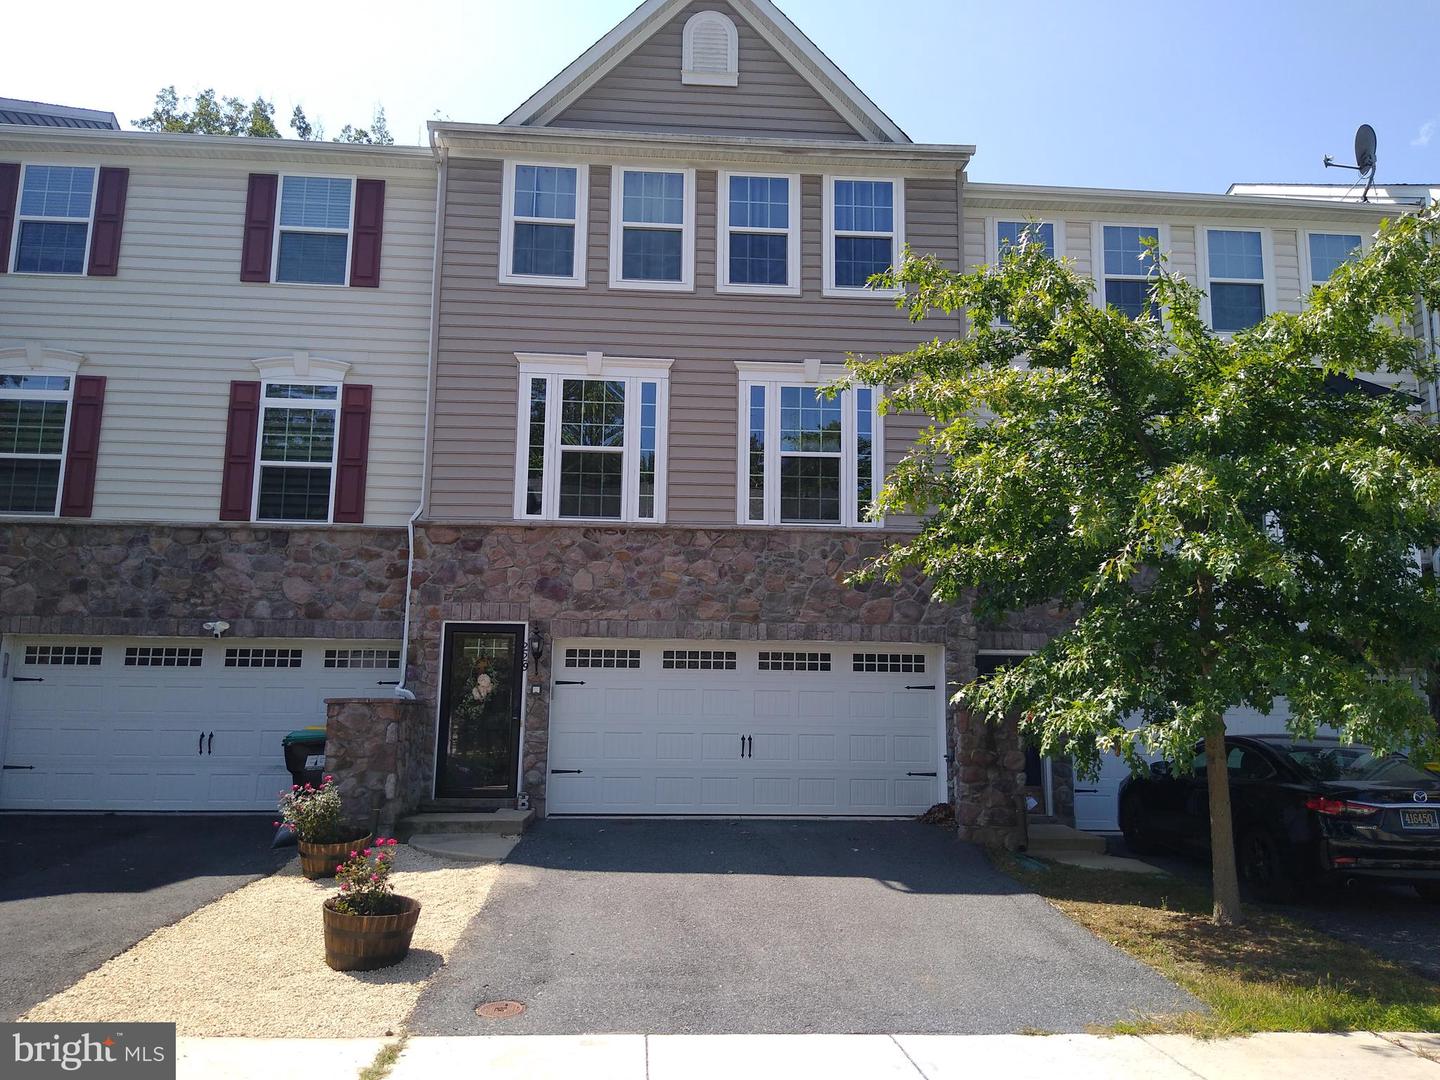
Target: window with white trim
(542, 239)
(592, 438)
(312, 237)
(53, 218)
(864, 232)
(34, 427)
(807, 458)
(759, 233)
(1235, 260)
(295, 466)
(1328, 251)
(1009, 234)
(1128, 263)
(652, 228)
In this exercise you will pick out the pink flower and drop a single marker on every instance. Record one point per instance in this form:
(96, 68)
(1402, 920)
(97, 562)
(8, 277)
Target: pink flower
(343, 886)
(353, 855)
(374, 877)
(367, 852)
(328, 779)
(294, 787)
(392, 841)
(340, 868)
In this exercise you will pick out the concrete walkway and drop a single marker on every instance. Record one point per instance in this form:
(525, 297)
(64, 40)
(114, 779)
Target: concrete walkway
(835, 1057)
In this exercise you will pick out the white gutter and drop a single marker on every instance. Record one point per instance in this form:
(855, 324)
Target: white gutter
(401, 690)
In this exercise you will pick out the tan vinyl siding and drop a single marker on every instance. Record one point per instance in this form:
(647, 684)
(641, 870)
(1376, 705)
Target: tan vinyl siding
(644, 92)
(483, 324)
(176, 325)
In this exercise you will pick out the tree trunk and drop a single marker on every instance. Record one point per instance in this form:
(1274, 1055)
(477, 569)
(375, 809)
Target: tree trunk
(1226, 881)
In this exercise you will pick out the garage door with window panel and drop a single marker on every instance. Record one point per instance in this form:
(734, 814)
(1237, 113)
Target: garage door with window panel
(167, 724)
(727, 728)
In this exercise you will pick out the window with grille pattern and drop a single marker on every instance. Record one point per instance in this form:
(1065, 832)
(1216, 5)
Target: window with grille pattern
(263, 658)
(163, 656)
(362, 658)
(63, 655)
(892, 663)
(697, 660)
(602, 658)
(794, 661)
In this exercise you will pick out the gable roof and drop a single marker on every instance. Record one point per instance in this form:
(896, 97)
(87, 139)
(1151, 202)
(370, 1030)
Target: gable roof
(768, 21)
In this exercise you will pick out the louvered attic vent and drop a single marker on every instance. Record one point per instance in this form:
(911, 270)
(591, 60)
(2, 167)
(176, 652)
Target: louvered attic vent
(711, 51)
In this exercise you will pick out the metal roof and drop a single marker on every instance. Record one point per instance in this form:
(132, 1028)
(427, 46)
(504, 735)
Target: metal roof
(43, 114)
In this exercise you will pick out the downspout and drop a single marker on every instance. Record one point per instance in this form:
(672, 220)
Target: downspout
(401, 690)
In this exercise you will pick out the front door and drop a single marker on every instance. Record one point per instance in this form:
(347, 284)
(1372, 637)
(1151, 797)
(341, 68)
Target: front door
(481, 693)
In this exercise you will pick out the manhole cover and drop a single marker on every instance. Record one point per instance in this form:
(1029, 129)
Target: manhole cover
(499, 1010)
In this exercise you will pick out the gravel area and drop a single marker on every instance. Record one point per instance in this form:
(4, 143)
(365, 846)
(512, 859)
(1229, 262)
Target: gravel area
(253, 963)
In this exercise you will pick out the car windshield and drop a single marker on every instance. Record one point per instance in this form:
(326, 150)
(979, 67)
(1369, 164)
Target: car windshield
(1354, 763)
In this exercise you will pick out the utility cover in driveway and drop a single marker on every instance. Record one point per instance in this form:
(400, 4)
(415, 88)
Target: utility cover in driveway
(746, 926)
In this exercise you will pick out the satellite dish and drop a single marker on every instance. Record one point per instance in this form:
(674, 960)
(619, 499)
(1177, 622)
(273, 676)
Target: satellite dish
(1365, 148)
(1364, 158)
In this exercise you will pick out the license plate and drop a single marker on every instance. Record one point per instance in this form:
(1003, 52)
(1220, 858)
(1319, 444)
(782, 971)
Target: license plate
(1420, 819)
(315, 761)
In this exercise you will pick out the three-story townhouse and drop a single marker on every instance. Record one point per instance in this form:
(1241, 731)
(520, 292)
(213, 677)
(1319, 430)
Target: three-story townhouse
(212, 407)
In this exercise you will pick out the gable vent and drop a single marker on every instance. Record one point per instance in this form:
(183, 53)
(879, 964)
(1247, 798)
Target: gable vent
(711, 51)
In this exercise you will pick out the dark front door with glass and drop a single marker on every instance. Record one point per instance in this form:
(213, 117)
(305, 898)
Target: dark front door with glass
(482, 687)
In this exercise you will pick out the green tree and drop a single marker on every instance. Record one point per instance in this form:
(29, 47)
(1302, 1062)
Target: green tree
(378, 133)
(210, 115)
(1228, 528)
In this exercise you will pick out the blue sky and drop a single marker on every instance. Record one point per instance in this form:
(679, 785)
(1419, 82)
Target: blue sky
(1171, 95)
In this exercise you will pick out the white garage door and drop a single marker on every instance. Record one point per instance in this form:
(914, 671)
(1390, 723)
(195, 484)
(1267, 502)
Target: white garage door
(677, 727)
(169, 724)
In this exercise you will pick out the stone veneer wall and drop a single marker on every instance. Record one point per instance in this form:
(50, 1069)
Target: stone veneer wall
(380, 752)
(715, 584)
(69, 577)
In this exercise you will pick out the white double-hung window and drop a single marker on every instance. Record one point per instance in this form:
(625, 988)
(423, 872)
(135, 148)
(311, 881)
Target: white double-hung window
(1326, 251)
(864, 232)
(1235, 277)
(34, 421)
(52, 228)
(591, 439)
(312, 240)
(1127, 260)
(652, 228)
(295, 468)
(759, 235)
(806, 458)
(542, 239)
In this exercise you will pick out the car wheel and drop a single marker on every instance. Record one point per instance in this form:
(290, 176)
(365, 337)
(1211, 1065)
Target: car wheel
(1132, 825)
(1263, 868)
(1429, 891)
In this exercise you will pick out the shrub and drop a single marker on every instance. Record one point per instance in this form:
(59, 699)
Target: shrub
(315, 813)
(364, 880)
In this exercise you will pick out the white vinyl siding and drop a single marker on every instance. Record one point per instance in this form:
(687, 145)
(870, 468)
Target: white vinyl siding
(177, 326)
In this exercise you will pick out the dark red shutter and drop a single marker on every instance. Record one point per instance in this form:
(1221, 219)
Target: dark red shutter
(9, 193)
(354, 454)
(240, 434)
(109, 220)
(77, 499)
(369, 223)
(259, 228)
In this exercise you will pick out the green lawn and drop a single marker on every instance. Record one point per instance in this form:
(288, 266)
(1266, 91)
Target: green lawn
(1273, 974)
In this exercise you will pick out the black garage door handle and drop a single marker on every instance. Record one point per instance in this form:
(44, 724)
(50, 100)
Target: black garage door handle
(920, 774)
(553, 771)
(930, 687)
(569, 682)
(19, 766)
(26, 678)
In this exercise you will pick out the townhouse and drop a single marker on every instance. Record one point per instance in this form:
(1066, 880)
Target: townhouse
(580, 507)
(212, 407)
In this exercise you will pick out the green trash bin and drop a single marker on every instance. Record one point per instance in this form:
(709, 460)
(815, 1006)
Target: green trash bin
(305, 755)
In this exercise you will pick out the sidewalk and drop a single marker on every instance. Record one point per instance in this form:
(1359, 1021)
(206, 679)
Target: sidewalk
(834, 1057)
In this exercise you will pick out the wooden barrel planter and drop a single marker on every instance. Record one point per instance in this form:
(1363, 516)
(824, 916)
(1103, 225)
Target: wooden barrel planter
(367, 942)
(320, 860)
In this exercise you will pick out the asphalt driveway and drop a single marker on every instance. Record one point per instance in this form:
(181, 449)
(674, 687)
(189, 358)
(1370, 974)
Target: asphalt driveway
(76, 890)
(685, 926)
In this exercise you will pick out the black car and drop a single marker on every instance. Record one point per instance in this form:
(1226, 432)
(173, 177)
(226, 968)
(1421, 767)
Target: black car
(1305, 811)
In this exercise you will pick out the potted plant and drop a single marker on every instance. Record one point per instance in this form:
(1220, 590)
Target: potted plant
(317, 817)
(367, 925)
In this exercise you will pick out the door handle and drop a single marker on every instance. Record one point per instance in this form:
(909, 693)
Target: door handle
(1087, 791)
(930, 687)
(200, 746)
(569, 682)
(575, 771)
(210, 744)
(26, 678)
(919, 774)
(18, 766)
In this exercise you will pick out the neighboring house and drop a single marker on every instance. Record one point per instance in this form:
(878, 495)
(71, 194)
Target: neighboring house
(212, 407)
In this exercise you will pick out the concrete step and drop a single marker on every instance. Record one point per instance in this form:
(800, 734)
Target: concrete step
(1046, 838)
(494, 823)
(465, 847)
(454, 806)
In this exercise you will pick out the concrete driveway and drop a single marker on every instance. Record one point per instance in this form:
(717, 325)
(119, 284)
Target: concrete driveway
(684, 926)
(78, 889)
